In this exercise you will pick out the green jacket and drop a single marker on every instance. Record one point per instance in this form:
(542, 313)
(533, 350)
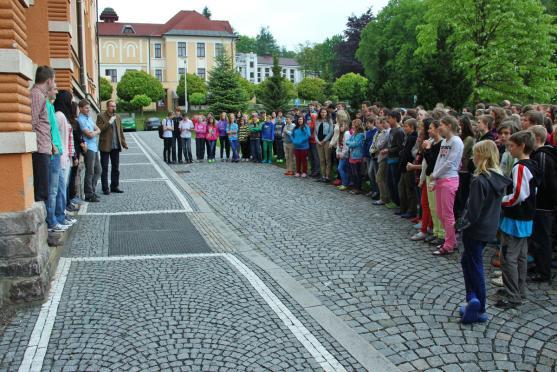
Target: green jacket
(56, 140)
(255, 130)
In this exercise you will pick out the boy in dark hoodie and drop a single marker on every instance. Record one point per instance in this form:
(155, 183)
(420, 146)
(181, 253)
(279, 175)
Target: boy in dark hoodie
(479, 225)
(516, 226)
(407, 183)
(541, 242)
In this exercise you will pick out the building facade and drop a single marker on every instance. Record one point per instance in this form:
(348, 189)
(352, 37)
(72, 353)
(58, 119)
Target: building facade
(187, 42)
(256, 68)
(61, 34)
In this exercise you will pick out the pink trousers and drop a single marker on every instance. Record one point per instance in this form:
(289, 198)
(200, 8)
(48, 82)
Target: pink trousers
(445, 191)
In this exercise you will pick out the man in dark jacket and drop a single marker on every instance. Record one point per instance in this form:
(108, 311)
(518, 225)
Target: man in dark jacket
(541, 242)
(407, 184)
(396, 139)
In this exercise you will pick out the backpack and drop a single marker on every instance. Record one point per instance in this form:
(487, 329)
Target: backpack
(161, 131)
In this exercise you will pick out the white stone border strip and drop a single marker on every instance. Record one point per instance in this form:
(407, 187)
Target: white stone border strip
(38, 343)
(135, 213)
(143, 180)
(179, 195)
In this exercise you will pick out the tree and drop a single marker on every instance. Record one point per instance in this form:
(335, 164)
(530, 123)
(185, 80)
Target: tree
(106, 89)
(350, 87)
(206, 12)
(504, 46)
(134, 83)
(274, 95)
(266, 43)
(248, 86)
(346, 49)
(225, 92)
(196, 84)
(140, 101)
(197, 99)
(312, 88)
(319, 59)
(246, 44)
(551, 7)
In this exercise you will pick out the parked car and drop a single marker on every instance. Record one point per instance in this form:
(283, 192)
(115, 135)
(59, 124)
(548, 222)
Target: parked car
(152, 123)
(128, 122)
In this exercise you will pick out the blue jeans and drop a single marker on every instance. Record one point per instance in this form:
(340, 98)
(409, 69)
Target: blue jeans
(53, 180)
(393, 179)
(473, 270)
(61, 201)
(234, 144)
(211, 149)
(255, 149)
(342, 164)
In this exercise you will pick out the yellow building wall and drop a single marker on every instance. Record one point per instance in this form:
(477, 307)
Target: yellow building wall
(171, 62)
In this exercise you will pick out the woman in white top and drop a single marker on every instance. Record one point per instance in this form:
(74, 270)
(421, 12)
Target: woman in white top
(186, 125)
(167, 131)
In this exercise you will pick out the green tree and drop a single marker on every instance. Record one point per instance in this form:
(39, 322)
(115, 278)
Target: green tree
(106, 89)
(346, 49)
(350, 87)
(197, 99)
(248, 86)
(550, 6)
(140, 101)
(266, 43)
(206, 12)
(225, 91)
(291, 90)
(312, 88)
(274, 95)
(319, 59)
(504, 46)
(134, 83)
(196, 84)
(246, 44)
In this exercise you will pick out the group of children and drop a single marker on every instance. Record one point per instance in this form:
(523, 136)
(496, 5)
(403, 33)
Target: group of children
(488, 176)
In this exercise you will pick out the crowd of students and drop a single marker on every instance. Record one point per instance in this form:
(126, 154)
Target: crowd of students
(487, 175)
(67, 141)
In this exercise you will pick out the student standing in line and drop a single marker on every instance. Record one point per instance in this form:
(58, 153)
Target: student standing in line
(323, 133)
(289, 147)
(267, 138)
(168, 137)
(92, 160)
(232, 133)
(280, 123)
(200, 129)
(407, 183)
(224, 141)
(186, 126)
(255, 139)
(212, 136)
(396, 139)
(300, 139)
(243, 137)
(356, 146)
(342, 155)
(381, 149)
(177, 143)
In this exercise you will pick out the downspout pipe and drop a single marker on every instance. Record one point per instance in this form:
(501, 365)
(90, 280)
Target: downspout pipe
(81, 49)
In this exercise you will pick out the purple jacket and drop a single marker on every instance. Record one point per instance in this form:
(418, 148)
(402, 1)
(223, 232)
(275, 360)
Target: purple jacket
(222, 124)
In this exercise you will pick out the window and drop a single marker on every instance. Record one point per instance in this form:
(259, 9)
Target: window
(251, 64)
(219, 49)
(201, 50)
(266, 72)
(158, 74)
(128, 29)
(158, 51)
(181, 71)
(251, 75)
(181, 49)
(201, 73)
(292, 75)
(112, 73)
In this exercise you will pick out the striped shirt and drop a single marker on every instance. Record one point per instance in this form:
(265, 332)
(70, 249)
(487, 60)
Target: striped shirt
(39, 120)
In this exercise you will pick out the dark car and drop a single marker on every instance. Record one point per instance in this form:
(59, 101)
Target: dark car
(152, 123)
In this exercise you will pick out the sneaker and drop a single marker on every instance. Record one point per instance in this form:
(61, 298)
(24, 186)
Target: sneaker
(77, 201)
(430, 238)
(297, 175)
(378, 202)
(70, 220)
(418, 226)
(58, 228)
(418, 236)
(92, 199)
(442, 252)
(304, 175)
(471, 311)
(337, 182)
(391, 205)
(67, 223)
(497, 281)
(342, 188)
(496, 274)
(437, 241)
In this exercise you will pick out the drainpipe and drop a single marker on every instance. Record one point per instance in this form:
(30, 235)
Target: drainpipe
(81, 51)
(98, 55)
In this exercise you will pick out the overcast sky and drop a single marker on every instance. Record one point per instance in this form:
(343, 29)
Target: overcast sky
(291, 21)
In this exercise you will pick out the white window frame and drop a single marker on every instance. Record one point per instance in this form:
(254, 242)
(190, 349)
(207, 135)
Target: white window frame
(204, 50)
(178, 49)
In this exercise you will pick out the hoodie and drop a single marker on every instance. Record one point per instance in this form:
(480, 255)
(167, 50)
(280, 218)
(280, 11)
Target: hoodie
(483, 208)
(268, 131)
(405, 155)
(222, 126)
(300, 138)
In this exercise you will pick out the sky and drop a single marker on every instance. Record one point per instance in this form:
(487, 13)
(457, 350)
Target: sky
(291, 21)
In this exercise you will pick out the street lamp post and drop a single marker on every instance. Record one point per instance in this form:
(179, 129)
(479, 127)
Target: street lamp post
(186, 86)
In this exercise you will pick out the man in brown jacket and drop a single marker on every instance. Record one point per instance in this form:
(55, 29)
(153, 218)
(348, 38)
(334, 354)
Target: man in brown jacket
(111, 142)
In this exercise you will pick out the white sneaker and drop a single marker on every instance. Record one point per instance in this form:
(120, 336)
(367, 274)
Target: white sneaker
(496, 274)
(497, 281)
(418, 236)
(58, 228)
(70, 222)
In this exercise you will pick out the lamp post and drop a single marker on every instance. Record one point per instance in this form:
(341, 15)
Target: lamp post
(186, 85)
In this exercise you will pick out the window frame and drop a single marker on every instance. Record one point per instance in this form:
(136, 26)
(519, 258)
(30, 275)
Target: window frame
(204, 49)
(180, 48)
(158, 48)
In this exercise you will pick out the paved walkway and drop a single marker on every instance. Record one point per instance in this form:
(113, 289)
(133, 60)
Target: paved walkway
(236, 267)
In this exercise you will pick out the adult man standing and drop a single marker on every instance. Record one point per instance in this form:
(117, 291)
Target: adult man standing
(111, 142)
(44, 82)
(91, 151)
(176, 136)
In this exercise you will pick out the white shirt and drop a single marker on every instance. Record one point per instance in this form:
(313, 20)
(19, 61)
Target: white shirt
(185, 128)
(169, 124)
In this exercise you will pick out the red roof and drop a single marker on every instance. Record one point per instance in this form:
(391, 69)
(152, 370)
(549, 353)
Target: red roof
(185, 20)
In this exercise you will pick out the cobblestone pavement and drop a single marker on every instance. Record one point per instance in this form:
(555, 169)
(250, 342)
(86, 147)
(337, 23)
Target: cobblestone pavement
(158, 308)
(357, 259)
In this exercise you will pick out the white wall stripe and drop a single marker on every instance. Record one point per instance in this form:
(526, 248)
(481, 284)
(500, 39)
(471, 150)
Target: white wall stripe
(38, 343)
(170, 184)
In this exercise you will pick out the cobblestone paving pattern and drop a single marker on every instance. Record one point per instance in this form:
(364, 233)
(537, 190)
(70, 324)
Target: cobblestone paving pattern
(138, 171)
(357, 258)
(137, 196)
(89, 238)
(14, 339)
(183, 314)
(135, 157)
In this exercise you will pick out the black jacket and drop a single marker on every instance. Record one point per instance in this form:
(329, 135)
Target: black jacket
(431, 157)
(395, 142)
(488, 136)
(405, 155)
(483, 208)
(546, 157)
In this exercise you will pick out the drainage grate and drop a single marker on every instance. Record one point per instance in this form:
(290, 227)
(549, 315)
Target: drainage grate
(182, 171)
(167, 233)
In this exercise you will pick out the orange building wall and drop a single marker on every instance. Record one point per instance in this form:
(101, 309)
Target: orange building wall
(17, 194)
(37, 33)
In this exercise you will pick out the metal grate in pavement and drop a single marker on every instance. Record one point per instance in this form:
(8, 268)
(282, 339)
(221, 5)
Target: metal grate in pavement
(169, 233)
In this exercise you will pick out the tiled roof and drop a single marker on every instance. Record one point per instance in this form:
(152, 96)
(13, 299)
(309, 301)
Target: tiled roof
(268, 60)
(185, 22)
